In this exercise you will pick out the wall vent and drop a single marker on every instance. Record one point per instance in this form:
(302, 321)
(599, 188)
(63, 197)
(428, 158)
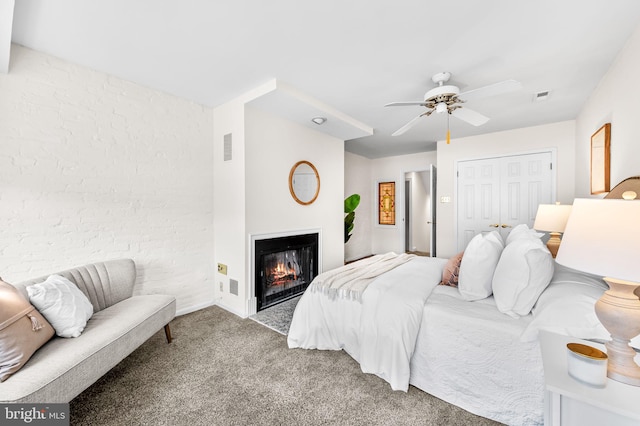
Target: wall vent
(233, 286)
(227, 147)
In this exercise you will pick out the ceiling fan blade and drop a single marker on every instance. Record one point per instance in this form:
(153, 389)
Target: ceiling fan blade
(421, 103)
(491, 90)
(407, 126)
(470, 116)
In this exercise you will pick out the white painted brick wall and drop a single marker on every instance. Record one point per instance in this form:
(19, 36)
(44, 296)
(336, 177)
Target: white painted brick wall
(93, 167)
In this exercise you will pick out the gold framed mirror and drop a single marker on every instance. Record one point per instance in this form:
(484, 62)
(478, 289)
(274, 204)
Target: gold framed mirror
(304, 182)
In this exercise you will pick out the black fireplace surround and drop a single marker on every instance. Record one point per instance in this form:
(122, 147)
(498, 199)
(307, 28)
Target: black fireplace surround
(284, 267)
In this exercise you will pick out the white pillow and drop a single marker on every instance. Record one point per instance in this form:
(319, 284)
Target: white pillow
(567, 306)
(523, 272)
(478, 264)
(522, 231)
(63, 304)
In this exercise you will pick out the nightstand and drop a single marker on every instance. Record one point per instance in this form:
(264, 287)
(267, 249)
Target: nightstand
(569, 402)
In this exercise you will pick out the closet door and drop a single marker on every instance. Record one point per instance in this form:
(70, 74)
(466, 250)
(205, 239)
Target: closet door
(478, 198)
(500, 193)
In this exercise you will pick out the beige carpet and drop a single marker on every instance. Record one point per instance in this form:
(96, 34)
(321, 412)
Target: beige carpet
(223, 370)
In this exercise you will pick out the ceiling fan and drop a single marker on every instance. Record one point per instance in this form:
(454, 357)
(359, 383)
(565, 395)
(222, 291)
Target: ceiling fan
(447, 98)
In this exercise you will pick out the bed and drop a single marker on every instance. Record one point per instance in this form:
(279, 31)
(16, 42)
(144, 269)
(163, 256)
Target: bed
(477, 354)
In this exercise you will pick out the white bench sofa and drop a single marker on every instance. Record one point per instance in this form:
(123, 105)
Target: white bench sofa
(64, 367)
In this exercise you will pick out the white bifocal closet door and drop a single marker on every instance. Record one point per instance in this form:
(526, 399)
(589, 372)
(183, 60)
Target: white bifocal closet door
(500, 193)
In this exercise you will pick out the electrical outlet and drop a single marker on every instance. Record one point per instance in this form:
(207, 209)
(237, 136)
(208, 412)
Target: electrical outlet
(445, 199)
(222, 268)
(221, 287)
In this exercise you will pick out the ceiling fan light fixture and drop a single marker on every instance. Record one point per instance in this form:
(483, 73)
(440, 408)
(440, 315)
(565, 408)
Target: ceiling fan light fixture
(441, 107)
(319, 120)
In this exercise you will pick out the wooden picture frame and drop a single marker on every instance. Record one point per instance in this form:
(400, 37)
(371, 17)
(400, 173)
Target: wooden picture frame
(386, 203)
(601, 159)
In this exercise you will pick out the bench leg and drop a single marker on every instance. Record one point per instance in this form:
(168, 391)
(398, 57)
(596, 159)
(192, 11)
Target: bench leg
(167, 332)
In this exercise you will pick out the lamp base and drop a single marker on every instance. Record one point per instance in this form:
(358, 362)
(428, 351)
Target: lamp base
(554, 243)
(619, 312)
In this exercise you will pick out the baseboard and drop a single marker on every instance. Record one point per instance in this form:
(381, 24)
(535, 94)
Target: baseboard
(230, 309)
(194, 308)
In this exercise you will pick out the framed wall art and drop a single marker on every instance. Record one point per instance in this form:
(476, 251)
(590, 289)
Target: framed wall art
(600, 159)
(386, 203)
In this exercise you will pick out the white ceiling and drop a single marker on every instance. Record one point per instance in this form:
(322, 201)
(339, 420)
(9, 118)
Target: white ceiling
(354, 55)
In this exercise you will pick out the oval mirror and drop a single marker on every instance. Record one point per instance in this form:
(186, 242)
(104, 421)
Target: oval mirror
(304, 182)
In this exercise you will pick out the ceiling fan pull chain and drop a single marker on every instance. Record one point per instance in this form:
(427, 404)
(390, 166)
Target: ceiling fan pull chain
(448, 131)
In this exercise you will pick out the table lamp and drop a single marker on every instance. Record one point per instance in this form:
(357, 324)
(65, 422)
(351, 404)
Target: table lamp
(602, 237)
(552, 218)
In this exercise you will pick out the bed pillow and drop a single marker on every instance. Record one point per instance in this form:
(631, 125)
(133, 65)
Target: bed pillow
(451, 271)
(478, 264)
(566, 306)
(62, 304)
(522, 231)
(22, 330)
(523, 272)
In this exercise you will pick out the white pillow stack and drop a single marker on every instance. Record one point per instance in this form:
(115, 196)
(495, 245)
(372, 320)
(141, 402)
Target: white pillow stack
(478, 264)
(63, 304)
(523, 272)
(522, 231)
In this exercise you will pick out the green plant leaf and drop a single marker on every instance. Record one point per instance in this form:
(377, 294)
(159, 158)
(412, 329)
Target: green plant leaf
(351, 203)
(350, 217)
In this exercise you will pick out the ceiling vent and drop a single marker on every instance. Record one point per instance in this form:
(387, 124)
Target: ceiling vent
(541, 96)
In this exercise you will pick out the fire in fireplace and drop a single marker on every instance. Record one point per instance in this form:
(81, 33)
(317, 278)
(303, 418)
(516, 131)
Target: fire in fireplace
(285, 266)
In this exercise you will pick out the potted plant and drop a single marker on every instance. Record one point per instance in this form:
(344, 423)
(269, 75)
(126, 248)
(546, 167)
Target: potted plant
(350, 205)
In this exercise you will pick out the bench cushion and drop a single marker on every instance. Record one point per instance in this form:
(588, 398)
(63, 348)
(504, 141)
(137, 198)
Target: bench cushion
(63, 368)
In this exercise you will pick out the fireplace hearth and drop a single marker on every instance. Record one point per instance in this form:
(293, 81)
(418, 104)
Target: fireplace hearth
(284, 267)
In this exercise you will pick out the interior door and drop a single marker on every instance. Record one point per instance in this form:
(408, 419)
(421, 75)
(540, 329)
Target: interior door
(526, 182)
(433, 180)
(408, 220)
(500, 193)
(478, 198)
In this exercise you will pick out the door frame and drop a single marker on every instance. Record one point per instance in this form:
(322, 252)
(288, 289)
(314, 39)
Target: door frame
(554, 176)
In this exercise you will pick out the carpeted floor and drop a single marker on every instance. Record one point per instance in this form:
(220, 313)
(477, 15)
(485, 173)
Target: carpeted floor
(224, 370)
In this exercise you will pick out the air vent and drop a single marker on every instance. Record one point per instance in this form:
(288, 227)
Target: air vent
(227, 147)
(541, 96)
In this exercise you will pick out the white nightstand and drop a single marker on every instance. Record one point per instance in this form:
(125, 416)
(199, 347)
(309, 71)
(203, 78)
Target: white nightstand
(569, 402)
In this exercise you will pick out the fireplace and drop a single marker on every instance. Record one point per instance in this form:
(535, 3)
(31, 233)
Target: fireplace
(284, 267)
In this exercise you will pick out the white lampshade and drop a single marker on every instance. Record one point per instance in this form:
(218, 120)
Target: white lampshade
(552, 217)
(602, 237)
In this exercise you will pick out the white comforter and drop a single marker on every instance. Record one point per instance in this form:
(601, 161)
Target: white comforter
(380, 331)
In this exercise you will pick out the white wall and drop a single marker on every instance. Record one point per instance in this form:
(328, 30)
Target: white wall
(357, 180)
(560, 136)
(94, 168)
(252, 192)
(274, 145)
(614, 101)
(229, 219)
(385, 238)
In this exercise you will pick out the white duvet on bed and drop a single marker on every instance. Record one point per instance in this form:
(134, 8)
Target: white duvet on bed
(469, 354)
(380, 332)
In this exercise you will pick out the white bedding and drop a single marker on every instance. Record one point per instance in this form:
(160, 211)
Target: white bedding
(380, 331)
(470, 354)
(408, 330)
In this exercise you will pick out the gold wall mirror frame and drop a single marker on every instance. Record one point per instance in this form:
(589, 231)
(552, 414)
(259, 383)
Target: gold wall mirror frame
(304, 182)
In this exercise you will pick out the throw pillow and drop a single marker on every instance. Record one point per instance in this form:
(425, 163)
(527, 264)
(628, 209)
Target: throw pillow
(566, 306)
(62, 304)
(22, 330)
(523, 272)
(451, 271)
(522, 231)
(478, 264)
